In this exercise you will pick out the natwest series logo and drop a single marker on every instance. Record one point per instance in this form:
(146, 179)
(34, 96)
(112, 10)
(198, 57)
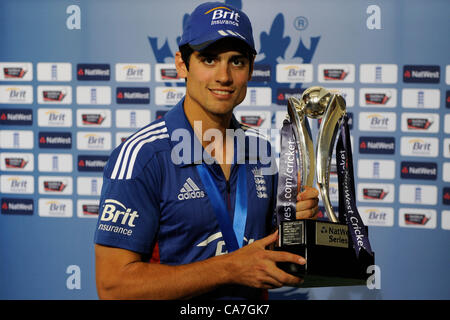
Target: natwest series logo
(95, 72)
(421, 74)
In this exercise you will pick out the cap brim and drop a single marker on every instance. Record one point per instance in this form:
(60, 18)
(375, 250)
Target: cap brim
(204, 43)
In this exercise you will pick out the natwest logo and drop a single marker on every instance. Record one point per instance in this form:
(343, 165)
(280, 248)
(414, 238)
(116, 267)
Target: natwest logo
(93, 72)
(55, 140)
(421, 74)
(378, 145)
(419, 170)
(17, 206)
(90, 163)
(133, 95)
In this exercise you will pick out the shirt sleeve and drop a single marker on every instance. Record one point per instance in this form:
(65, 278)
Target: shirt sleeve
(129, 211)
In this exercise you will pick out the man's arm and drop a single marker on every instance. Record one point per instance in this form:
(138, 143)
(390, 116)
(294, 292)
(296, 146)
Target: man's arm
(120, 274)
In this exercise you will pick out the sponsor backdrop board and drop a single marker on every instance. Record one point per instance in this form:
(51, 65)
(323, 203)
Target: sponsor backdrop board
(78, 77)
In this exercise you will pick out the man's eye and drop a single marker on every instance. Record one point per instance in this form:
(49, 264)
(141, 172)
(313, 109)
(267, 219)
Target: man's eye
(238, 62)
(208, 61)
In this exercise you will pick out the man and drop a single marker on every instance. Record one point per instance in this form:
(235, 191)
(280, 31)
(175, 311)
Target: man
(161, 200)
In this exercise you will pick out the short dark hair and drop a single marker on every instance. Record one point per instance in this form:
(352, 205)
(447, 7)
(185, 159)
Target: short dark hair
(186, 50)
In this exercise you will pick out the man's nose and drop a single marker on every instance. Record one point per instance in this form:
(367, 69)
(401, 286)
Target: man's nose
(223, 74)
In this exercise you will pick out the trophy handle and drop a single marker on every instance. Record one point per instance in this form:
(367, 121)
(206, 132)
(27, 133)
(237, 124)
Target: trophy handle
(305, 145)
(324, 149)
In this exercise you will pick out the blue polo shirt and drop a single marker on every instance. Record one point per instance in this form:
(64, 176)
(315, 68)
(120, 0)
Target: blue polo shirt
(153, 198)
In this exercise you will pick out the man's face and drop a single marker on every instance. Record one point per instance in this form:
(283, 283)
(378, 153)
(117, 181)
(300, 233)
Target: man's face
(217, 79)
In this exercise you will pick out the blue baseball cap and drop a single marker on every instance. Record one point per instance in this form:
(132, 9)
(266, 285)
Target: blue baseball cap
(213, 21)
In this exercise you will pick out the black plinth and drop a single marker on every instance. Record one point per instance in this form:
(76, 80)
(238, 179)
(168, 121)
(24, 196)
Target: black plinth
(328, 249)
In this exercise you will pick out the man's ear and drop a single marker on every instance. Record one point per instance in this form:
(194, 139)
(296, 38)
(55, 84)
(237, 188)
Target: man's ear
(180, 65)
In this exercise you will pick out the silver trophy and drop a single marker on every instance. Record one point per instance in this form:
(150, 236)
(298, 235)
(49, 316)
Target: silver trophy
(328, 246)
(316, 103)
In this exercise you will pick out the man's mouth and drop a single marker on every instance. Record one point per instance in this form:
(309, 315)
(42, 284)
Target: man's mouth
(221, 92)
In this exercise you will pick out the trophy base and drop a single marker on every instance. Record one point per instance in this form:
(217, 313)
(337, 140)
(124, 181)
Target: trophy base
(328, 250)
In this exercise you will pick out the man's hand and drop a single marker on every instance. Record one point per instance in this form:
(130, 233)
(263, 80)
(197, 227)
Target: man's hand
(254, 266)
(307, 203)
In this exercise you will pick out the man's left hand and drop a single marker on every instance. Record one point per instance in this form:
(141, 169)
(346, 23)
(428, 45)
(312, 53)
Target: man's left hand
(307, 203)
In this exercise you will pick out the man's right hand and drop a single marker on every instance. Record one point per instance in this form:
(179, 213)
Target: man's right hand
(255, 266)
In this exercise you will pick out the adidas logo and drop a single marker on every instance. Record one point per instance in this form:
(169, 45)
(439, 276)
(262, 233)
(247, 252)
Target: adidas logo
(190, 191)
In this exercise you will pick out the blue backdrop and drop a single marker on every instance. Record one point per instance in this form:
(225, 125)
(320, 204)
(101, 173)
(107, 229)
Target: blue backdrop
(78, 76)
